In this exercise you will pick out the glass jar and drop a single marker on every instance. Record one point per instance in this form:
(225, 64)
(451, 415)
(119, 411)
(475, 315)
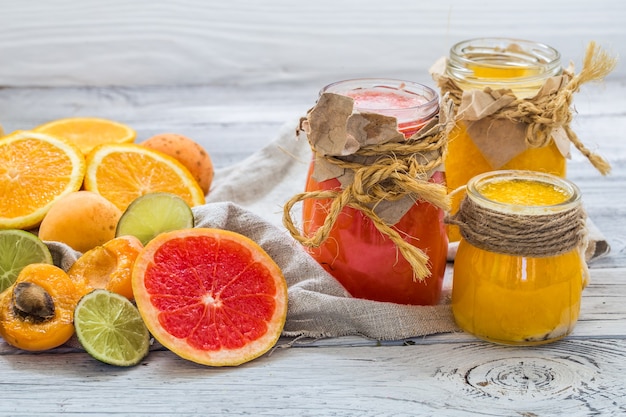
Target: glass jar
(366, 262)
(498, 63)
(502, 295)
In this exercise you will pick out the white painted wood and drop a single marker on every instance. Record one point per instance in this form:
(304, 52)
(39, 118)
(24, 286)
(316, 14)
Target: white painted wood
(91, 42)
(564, 379)
(229, 75)
(448, 374)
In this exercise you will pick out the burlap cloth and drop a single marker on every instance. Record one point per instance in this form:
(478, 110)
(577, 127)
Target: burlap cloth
(248, 198)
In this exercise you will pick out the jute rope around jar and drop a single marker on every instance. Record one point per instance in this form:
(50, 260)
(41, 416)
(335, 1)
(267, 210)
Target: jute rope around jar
(520, 234)
(400, 171)
(552, 111)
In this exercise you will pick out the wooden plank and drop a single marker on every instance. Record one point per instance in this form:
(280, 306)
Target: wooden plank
(199, 42)
(569, 378)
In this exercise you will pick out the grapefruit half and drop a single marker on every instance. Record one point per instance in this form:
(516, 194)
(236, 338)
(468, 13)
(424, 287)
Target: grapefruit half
(211, 296)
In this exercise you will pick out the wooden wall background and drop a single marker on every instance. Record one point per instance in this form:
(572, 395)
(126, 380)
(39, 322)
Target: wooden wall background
(148, 42)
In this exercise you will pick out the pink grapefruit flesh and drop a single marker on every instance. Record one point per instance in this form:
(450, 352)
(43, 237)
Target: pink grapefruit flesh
(211, 296)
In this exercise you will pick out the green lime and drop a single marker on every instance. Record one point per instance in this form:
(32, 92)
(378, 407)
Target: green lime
(19, 248)
(154, 213)
(110, 328)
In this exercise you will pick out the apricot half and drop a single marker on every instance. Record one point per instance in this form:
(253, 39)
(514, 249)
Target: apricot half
(37, 311)
(108, 266)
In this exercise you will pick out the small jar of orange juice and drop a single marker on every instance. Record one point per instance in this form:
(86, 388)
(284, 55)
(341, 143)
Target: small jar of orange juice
(519, 273)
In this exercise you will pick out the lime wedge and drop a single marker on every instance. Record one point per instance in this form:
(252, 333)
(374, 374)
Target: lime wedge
(154, 213)
(19, 248)
(110, 328)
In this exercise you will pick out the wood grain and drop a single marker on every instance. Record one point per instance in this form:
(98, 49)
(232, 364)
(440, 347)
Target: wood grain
(447, 374)
(568, 378)
(175, 42)
(229, 75)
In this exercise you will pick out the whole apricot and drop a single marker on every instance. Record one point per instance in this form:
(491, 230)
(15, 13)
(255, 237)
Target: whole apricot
(188, 152)
(82, 220)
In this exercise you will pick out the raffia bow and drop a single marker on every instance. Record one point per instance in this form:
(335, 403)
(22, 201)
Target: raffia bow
(400, 170)
(544, 114)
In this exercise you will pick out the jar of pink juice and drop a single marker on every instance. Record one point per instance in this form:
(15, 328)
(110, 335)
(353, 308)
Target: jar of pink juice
(365, 261)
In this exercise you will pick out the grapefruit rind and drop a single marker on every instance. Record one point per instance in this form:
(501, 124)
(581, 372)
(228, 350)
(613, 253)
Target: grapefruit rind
(181, 346)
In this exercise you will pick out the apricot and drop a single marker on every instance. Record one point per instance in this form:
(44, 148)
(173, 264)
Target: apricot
(188, 152)
(108, 266)
(37, 311)
(82, 220)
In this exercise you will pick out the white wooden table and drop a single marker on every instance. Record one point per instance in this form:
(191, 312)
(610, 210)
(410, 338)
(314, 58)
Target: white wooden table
(233, 100)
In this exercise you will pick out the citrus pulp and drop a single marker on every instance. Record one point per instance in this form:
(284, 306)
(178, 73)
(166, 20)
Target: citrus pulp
(211, 296)
(154, 213)
(19, 248)
(110, 329)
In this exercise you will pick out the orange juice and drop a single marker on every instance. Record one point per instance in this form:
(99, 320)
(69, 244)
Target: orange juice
(520, 66)
(517, 299)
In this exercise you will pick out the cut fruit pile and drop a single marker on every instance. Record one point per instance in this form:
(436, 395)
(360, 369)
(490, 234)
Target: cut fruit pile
(210, 296)
(40, 167)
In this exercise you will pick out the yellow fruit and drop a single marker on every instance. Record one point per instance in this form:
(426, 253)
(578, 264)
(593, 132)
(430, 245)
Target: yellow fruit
(36, 170)
(121, 173)
(82, 220)
(189, 153)
(89, 132)
(37, 311)
(108, 266)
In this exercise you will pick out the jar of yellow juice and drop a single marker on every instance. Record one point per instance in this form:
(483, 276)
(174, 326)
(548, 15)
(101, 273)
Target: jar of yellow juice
(519, 273)
(500, 69)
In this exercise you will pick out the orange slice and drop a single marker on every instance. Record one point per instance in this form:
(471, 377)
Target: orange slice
(36, 170)
(211, 296)
(123, 172)
(89, 132)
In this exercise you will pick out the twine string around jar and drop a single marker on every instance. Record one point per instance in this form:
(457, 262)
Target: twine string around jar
(554, 110)
(530, 235)
(401, 170)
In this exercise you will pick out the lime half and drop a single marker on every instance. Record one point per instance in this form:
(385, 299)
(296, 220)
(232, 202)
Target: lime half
(19, 248)
(154, 213)
(110, 328)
